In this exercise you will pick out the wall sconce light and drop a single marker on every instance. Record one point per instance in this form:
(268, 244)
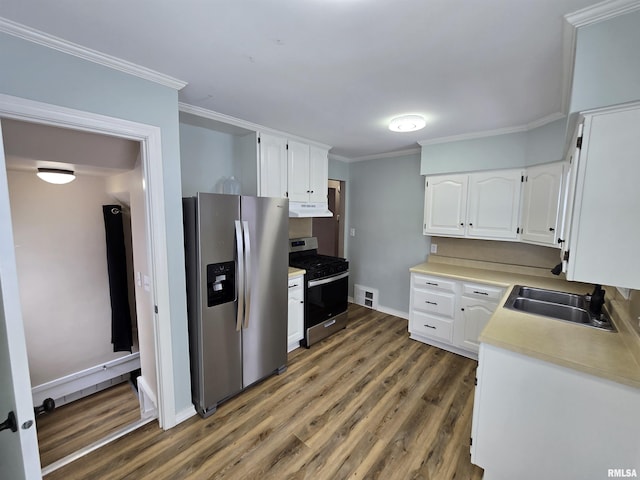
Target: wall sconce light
(55, 175)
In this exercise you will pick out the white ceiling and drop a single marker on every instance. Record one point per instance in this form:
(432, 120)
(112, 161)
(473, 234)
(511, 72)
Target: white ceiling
(336, 71)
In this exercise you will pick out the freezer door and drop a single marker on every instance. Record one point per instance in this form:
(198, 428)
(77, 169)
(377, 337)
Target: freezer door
(264, 334)
(218, 340)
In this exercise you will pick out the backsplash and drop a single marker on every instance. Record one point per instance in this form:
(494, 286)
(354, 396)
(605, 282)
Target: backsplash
(300, 227)
(509, 253)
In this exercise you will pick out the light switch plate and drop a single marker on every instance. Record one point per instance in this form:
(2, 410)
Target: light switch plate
(434, 248)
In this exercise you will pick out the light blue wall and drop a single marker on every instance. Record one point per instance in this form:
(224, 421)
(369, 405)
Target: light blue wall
(207, 157)
(38, 73)
(546, 143)
(385, 207)
(512, 150)
(607, 64)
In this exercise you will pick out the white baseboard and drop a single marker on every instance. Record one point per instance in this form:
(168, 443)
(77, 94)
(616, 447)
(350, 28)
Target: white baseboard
(185, 414)
(387, 310)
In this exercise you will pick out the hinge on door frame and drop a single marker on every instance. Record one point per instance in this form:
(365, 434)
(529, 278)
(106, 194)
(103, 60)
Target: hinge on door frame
(579, 142)
(155, 308)
(566, 256)
(470, 441)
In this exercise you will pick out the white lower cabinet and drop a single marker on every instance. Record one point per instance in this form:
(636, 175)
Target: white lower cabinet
(477, 304)
(536, 420)
(450, 314)
(296, 312)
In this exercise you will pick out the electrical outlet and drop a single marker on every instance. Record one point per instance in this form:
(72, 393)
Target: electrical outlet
(434, 248)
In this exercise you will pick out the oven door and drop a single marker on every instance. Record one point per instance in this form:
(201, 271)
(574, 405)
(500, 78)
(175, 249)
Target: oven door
(326, 298)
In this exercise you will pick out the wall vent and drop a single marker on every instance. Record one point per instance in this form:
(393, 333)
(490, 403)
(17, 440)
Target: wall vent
(366, 296)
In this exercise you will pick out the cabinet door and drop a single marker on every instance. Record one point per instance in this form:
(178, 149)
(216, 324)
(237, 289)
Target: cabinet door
(298, 161)
(273, 166)
(475, 315)
(445, 205)
(494, 204)
(604, 227)
(541, 204)
(295, 331)
(318, 174)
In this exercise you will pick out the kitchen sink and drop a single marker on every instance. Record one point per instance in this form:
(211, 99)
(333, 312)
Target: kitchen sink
(563, 306)
(552, 296)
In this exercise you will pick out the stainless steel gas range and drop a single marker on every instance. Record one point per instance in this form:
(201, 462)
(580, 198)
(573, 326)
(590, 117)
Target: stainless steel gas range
(326, 283)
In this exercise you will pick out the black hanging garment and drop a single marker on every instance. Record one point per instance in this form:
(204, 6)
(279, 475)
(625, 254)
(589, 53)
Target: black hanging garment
(121, 335)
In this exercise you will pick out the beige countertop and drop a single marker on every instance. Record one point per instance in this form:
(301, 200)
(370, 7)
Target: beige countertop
(614, 356)
(294, 272)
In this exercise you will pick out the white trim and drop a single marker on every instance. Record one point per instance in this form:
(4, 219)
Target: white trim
(56, 43)
(493, 133)
(238, 122)
(601, 11)
(149, 137)
(95, 445)
(393, 311)
(185, 414)
(398, 153)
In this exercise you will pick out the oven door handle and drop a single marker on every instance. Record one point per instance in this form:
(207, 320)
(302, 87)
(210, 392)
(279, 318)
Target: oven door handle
(323, 281)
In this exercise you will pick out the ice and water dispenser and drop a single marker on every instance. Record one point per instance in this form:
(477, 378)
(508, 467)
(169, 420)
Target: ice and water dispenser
(221, 283)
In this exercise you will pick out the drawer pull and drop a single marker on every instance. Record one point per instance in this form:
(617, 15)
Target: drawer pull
(480, 293)
(294, 285)
(431, 303)
(432, 283)
(429, 326)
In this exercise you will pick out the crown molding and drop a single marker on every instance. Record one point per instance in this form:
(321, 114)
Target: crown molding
(340, 158)
(376, 156)
(492, 133)
(56, 43)
(601, 11)
(238, 122)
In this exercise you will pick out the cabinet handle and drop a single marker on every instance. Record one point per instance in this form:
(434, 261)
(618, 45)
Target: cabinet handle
(462, 309)
(431, 283)
(480, 293)
(430, 303)
(301, 301)
(560, 241)
(429, 326)
(293, 286)
(471, 224)
(551, 229)
(461, 224)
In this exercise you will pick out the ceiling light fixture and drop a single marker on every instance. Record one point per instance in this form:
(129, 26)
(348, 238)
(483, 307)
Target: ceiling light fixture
(55, 175)
(407, 123)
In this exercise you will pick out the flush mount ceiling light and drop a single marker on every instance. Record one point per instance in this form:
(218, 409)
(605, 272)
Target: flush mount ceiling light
(55, 175)
(407, 123)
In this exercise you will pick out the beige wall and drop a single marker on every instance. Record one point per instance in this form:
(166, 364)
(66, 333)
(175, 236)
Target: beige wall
(510, 253)
(62, 273)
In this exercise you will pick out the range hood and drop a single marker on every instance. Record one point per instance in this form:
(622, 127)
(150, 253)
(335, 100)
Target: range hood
(303, 209)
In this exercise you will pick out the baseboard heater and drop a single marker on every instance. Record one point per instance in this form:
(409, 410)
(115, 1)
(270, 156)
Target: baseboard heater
(85, 382)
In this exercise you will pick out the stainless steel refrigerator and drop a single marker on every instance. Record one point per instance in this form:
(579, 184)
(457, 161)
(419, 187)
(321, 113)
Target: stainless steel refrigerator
(236, 252)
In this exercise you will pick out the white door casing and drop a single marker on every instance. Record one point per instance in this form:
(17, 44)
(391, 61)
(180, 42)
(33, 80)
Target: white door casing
(151, 153)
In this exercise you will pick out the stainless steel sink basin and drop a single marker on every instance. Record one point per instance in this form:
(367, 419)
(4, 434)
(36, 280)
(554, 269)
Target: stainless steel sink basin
(564, 306)
(555, 310)
(553, 296)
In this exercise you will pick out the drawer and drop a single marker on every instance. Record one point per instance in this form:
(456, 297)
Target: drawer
(430, 326)
(488, 292)
(440, 303)
(433, 283)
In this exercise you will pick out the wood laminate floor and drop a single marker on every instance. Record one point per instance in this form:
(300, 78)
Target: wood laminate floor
(80, 423)
(367, 402)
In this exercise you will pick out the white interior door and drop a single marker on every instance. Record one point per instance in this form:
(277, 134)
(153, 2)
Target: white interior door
(19, 457)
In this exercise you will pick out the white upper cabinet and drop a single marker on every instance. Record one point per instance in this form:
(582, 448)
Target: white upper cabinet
(272, 166)
(308, 172)
(542, 204)
(482, 205)
(445, 205)
(604, 225)
(494, 204)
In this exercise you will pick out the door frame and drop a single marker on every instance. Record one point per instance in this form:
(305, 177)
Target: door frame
(149, 137)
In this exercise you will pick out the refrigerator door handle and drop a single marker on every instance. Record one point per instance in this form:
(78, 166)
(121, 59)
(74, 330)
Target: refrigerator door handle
(247, 253)
(240, 274)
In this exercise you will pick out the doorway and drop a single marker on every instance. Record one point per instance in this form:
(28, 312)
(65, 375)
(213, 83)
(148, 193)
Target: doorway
(330, 230)
(155, 277)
